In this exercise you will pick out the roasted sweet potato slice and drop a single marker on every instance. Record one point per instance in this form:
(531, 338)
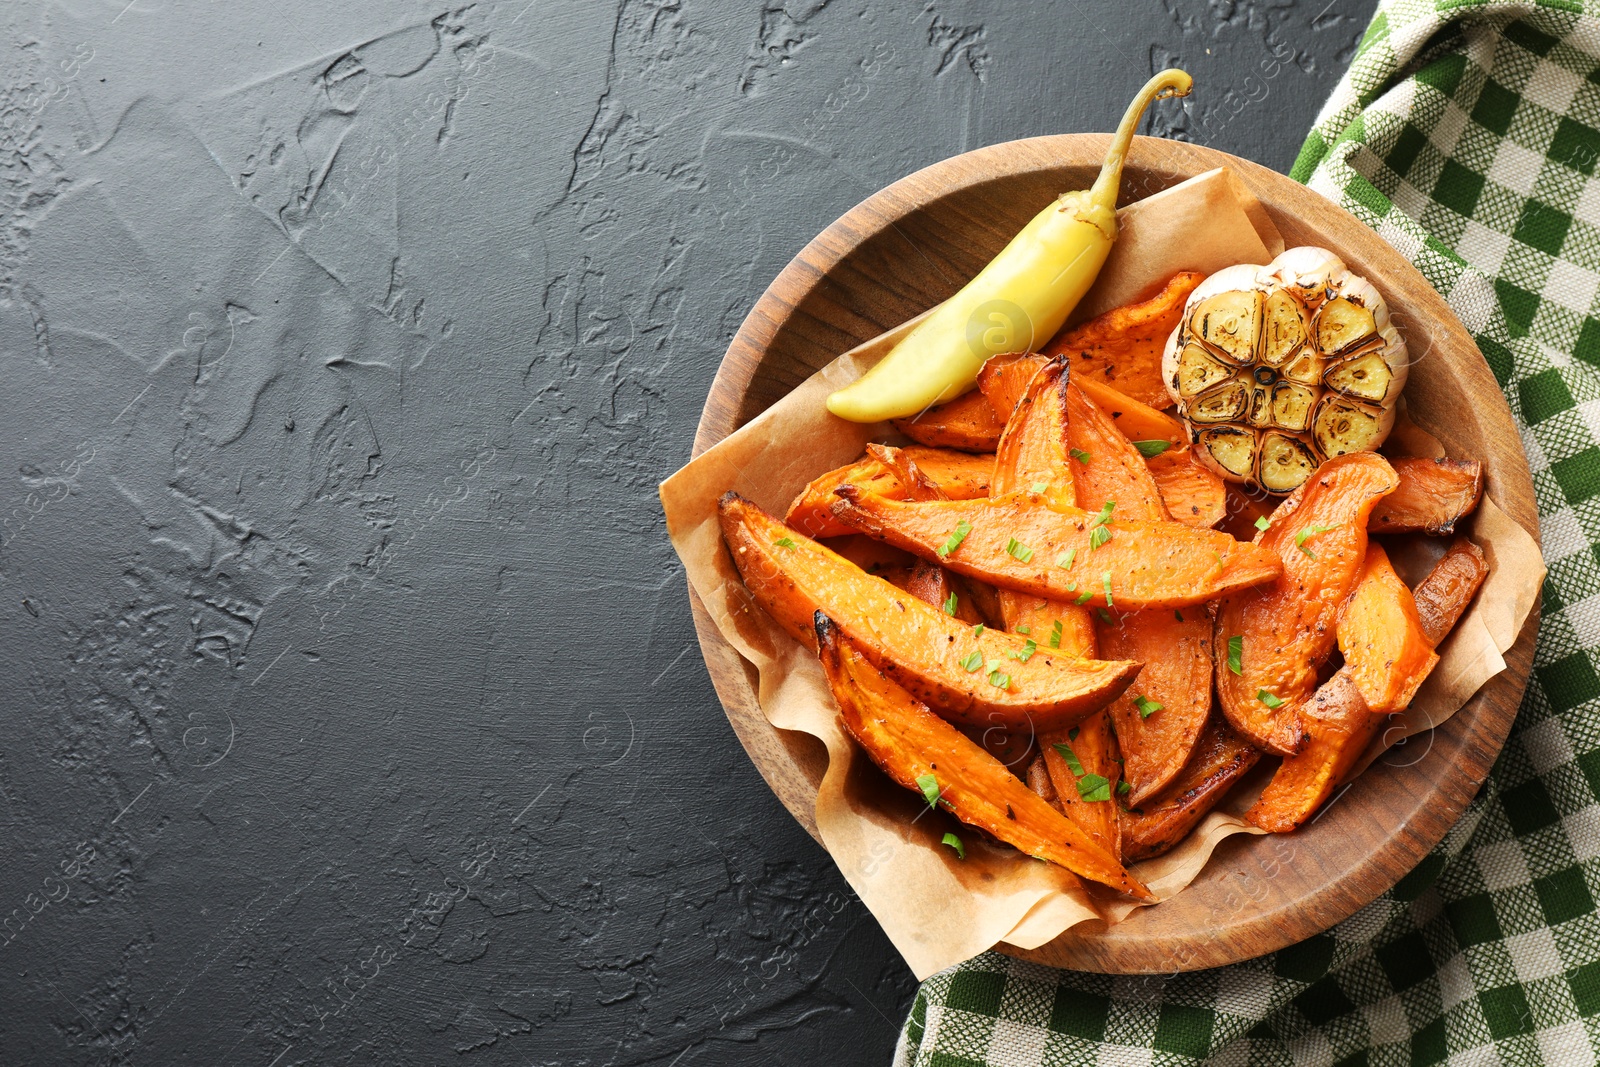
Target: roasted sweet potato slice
(932, 584)
(959, 475)
(908, 741)
(1003, 381)
(1242, 509)
(1339, 726)
(955, 475)
(1433, 495)
(975, 679)
(1444, 594)
(812, 511)
(1220, 759)
(1135, 421)
(1082, 764)
(1123, 347)
(1159, 720)
(914, 485)
(967, 423)
(1271, 640)
(1193, 495)
(1386, 650)
(1020, 543)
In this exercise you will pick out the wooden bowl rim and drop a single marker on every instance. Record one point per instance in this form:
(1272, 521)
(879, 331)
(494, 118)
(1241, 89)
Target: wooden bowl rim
(789, 762)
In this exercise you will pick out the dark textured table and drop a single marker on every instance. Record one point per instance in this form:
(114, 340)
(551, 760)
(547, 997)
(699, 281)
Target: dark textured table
(353, 709)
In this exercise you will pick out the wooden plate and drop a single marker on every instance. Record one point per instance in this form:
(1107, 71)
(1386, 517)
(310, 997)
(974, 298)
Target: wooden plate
(915, 243)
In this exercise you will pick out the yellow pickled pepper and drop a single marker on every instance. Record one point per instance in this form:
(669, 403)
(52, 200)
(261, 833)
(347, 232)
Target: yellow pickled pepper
(1017, 302)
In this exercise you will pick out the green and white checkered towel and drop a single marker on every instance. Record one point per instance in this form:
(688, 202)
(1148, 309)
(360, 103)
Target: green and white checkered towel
(1467, 133)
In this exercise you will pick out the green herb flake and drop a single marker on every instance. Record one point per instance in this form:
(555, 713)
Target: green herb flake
(1066, 561)
(1105, 616)
(950, 604)
(1093, 787)
(1080, 455)
(955, 842)
(1151, 449)
(1024, 630)
(1029, 647)
(958, 535)
(784, 542)
(1105, 514)
(1123, 788)
(977, 631)
(1309, 531)
(1055, 634)
(930, 788)
(1262, 523)
(1084, 599)
(1268, 699)
(1106, 578)
(1066, 753)
(1098, 536)
(1146, 706)
(1019, 551)
(1072, 734)
(1236, 654)
(1039, 487)
(1000, 680)
(973, 661)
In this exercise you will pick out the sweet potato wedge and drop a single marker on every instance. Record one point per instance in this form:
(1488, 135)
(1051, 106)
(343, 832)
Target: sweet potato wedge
(1018, 542)
(1003, 381)
(1082, 764)
(1220, 759)
(932, 584)
(908, 741)
(1339, 726)
(1159, 720)
(967, 423)
(1193, 495)
(973, 679)
(1123, 347)
(1433, 495)
(955, 475)
(1135, 421)
(812, 510)
(1444, 594)
(1284, 630)
(959, 475)
(1386, 650)
(914, 485)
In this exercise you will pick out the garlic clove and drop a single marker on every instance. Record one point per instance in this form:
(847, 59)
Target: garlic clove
(1198, 371)
(1292, 405)
(1341, 426)
(1225, 403)
(1229, 324)
(1283, 327)
(1343, 326)
(1365, 377)
(1229, 449)
(1285, 462)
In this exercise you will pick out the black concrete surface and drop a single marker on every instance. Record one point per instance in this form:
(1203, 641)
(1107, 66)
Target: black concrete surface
(352, 709)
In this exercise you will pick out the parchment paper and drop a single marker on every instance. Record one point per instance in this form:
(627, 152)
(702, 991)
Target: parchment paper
(937, 909)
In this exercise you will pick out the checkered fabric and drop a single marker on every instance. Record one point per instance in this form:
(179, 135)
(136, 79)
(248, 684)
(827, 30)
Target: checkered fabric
(1467, 133)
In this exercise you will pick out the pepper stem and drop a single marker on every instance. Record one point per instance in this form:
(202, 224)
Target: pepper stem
(1170, 82)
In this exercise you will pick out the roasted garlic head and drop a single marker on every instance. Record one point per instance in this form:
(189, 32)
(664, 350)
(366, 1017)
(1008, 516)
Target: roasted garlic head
(1276, 368)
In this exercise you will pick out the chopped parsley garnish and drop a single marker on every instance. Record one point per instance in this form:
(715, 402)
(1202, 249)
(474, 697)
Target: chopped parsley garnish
(1106, 577)
(1039, 487)
(1073, 763)
(1072, 586)
(977, 631)
(1151, 449)
(930, 788)
(1262, 523)
(1084, 599)
(1000, 680)
(784, 542)
(1098, 536)
(955, 842)
(1072, 734)
(1055, 634)
(1105, 514)
(1146, 706)
(1094, 787)
(973, 661)
(1268, 699)
(1105, 616)
(1309, 531)
(1029, 647)
(950, 604)
(1066, 561)
(1123, 788)
(1024, 630)
(1019, 551)
(1080, 455)
(1236, 654)
(958, 535)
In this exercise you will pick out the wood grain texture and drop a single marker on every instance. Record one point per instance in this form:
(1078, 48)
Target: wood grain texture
(913, 244)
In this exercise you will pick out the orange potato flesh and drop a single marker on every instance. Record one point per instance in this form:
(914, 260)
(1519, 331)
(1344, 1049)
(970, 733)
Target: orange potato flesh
(1094, 746)
(812, 510)
(917, 644)
(1339, 726)
(1444, 594)
(932, 584)
(1241, 509)
(1003, 381)
(1148, 564)
(1221, 757)
(1136, 421)
(1433, 495)
(914, 484)
(1123, 347)
(959, 475)
(1175, 650)
(1193, 494)
(966, 423)
(1287, 626)
(908, 741)
(1385, 648)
